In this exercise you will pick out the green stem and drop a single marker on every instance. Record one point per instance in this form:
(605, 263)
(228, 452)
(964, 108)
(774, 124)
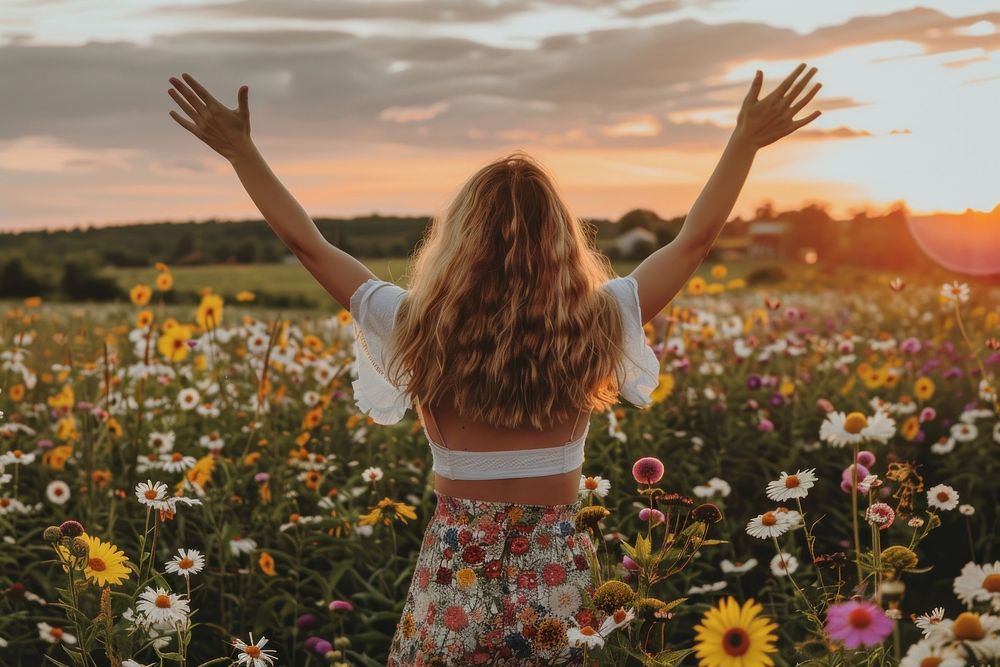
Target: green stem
(854, 512)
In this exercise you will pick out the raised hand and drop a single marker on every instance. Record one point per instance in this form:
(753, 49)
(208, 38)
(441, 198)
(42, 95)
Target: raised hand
(764, 121)
(225, 130)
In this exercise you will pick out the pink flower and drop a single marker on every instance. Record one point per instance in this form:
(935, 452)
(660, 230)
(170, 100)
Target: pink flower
(765, 426)
(645, 514)
(866, 458)
(341, 605)
(648, 470)
(858, 623)
(455, 618)
(824, 405)
(880, 515)
(927, 414)
(629, 564)
(845, 477)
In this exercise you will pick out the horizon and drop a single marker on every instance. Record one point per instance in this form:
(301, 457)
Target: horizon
(362, 108)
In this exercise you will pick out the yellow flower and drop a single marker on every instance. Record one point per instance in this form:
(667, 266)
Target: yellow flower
(716, 288)
(664, 388)
(105, 564)
(143, 319)
(140, 294)
(209, 311)
(696, 285)
(344, 317)
(787, 387)
(736, 283)
(911, 427)
(64, 399)
(385, 511)
(924, 388)
(33, 302)
(172, 344)
(719, 271)
(164, 281)
(731, 635)
(465, 578)
(244, 295)
(266, 563)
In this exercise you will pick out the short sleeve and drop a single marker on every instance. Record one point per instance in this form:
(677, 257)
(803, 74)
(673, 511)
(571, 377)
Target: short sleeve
(641, 366)
(373, 312)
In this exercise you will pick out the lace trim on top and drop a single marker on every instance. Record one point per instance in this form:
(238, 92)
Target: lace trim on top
(507, 463)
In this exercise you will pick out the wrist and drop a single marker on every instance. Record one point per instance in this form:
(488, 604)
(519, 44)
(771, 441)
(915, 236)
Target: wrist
(742, 143)
(244, 152)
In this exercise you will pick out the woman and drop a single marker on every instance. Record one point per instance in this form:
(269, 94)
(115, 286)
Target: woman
(513, 330)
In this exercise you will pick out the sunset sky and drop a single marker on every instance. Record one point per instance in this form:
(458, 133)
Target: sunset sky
(388, 106)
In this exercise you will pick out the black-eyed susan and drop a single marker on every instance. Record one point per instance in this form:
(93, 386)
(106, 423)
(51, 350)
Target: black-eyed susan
(732, 635)
(106, 563)
(923, 388)
(209, 313)
(696, 285)
(143, 319)
(164, 281)
(385, 511)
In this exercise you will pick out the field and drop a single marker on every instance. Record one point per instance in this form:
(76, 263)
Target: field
(182, 480)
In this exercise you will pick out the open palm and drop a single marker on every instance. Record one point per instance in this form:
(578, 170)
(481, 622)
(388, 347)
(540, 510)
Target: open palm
(225, 130)
(763, 121)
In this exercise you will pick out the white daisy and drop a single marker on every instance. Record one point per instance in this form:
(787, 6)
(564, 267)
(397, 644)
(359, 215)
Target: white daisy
(924, 652)
(964, 432)
(707, 588)
(788, 486)
(619, 619)
(254, 654)
(942, 497)
(54, 635)
(152, 494)
(212, 441)
(162, 606)
(768, 525)
(188, 398)
(926, 622)
(186, 563)
(979, 583)
(729, 567)
(978, 633)
(714, 486)
(955, 291)
(133, 663)
(241, 545)
(841, 429)
(176, 462)
(162, 442)
(57, 492)
(584, 637)
(784, 564)
(595, 485)
(996, 432)
(372, 474)
(943, 445)
(966, 509)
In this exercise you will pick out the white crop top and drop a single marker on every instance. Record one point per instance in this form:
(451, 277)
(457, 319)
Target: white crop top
(373, 310)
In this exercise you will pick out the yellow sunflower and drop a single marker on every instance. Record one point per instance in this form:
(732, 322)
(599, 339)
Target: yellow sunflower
(733, 636)
(106, 563)
(385, 511)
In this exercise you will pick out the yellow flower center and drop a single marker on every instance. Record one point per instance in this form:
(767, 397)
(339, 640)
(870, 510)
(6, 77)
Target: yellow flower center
(185, 564)
(992, 583)
(176, 456)
(855, 422)
(97, 565)
(588, 631)
(252, 651)
(590, 483)
(17, 453)
(769, 519)
(791, 482)
(162, 601)
(735, 642)
(968, 627)
(151, 494)
(943, 496)
(56, 632)
(931, 661)
(619, 615)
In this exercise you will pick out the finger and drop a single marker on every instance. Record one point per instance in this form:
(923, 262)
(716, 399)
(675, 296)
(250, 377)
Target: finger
(794, 92)
(182, 103)
(186, 124)
(783, 87)
(805, 100)
(189, 95)
(755, 86)
(201, 90)
(243, 102)
(808, 119)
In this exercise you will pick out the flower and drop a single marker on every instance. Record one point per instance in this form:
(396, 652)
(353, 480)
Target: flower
(732, 635)
(341, 605)
(585, 636)
(839, 429)
(976, 632)
(618, 619)
(648, 470)
(385, 511)
(881, 515)
(57, 492)
(372, 474)
(728, 567)
(266, 563)
(926, 622)
(955, 291)
(161, 606)
(105, 562)
(979, 583)
(186, 563)
(784, 564)
(152, 494)
(788, 486)
(254, 654)
(54, 635)
(769, 524)
(858, 623)
(594, 485)
(942, 497)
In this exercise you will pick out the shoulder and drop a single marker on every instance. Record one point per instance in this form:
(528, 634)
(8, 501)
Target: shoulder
(375, 301)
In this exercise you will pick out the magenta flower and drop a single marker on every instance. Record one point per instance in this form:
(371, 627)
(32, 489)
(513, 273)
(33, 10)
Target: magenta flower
(866, 458)
(824, 405)
(629, 564)
(927, 414)
(845, 477)
(341, 605)
(858, 623)
(648, 470)
(765, 426)
(645, 514)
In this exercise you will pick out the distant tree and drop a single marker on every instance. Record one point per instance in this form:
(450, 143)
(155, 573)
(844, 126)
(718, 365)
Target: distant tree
(185, 245)
(17, 281)
(639, 217)
(80, 282)
(246, 253)
(765, 211)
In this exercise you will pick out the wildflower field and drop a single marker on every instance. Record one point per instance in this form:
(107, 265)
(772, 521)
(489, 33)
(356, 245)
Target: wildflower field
(815, 483)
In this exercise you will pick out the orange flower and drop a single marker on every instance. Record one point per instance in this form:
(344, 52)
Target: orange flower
(140, 294)
(17, 392)
(266, 563)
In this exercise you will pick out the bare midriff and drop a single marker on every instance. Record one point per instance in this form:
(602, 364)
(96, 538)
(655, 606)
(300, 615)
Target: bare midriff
(560, 489)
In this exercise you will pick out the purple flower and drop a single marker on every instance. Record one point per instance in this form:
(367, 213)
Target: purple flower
(71, 528)
(322, 646)
(261, 477)
(751, 405)
(927, 414)
(910, 345)
(629, 564)
(858, 623)
(191, 343)
(307, 621)
(341, 605)
(45, 443)
(866, 458)
(777, 400)
(845, 477)
(951, 373)
(311, 642)
(754, 382)
(648, 470)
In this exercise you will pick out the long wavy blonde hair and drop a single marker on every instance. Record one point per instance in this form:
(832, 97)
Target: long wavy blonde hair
(503, 308)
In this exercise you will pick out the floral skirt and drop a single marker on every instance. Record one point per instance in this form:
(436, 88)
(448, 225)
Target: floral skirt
(496, 584)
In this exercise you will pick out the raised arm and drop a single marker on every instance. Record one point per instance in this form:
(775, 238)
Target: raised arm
(227, 132)
(760, 122)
